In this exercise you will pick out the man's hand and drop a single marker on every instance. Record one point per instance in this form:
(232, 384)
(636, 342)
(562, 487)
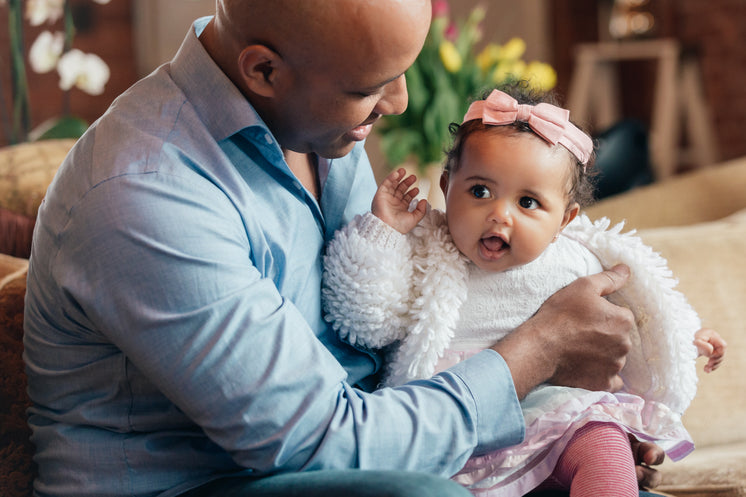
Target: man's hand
(577, 338)
(646, 454)
(391, 202)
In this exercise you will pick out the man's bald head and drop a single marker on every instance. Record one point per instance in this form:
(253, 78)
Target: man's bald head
(319, 72)
(311, 31)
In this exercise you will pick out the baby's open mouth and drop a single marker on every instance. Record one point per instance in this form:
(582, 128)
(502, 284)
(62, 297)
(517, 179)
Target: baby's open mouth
(494, 243)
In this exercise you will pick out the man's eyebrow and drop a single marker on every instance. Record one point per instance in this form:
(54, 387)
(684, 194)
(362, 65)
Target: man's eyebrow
(383, 83)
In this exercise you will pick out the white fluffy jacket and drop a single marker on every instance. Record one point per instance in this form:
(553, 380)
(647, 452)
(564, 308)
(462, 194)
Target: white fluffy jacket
(385, 289)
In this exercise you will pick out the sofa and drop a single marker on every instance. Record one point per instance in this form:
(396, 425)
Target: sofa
(696, 220)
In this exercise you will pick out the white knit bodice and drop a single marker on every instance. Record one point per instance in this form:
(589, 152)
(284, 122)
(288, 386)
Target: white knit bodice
(497, 303)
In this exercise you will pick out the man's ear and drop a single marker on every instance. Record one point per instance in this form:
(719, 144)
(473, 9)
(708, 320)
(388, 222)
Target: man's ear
(258, 66)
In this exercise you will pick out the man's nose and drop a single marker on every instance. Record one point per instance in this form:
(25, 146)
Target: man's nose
(395, 98)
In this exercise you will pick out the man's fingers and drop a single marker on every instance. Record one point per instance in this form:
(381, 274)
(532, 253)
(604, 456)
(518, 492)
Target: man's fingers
(647, 477)
(611, 280)
(616, 384)
(646, 452)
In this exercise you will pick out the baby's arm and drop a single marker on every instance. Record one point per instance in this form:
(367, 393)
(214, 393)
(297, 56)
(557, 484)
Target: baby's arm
(710, 344)
(391, 202)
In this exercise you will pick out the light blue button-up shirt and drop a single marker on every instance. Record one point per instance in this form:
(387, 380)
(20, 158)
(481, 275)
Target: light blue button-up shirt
(174, 330)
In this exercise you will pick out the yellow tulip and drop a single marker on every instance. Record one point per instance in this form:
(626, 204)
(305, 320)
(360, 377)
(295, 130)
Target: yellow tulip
(513, 49)
(489, 55)
(450, 57)
(541, 76)
(513, 69)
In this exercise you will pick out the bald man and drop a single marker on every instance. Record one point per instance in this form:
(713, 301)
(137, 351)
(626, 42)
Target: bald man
(173, 331)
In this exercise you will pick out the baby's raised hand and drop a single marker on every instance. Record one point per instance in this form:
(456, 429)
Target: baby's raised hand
(710, 344)
(391, 201)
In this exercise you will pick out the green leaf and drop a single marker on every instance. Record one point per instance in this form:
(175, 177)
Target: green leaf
(437, 97)
(63, 127)
(417, 90)
(444, 110)
(399, 144)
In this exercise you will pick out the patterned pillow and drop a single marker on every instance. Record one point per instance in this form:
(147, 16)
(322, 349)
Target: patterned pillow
(25, 173)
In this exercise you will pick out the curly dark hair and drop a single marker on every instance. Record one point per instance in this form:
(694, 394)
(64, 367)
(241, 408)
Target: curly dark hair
(581, 179)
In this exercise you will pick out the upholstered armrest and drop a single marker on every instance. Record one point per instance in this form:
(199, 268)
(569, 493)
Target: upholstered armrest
(16, 467)
(26, 170)
(705, 195)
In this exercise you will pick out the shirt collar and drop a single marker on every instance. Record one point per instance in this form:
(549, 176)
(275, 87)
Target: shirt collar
(200, 78)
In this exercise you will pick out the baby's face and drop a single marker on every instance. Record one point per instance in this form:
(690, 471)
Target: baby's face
(508, 199)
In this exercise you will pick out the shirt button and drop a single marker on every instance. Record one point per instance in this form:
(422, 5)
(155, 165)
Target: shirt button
(268, 138)
(297, 185)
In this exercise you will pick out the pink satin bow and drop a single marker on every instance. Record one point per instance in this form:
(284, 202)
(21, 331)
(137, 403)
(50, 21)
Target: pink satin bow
(550, 122)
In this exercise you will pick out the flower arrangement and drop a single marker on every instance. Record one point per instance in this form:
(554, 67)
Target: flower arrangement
(49, 51)
(445, 77)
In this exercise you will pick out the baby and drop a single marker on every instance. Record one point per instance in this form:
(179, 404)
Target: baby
(434, 288)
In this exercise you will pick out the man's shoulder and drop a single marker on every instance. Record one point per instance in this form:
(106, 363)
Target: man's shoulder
(136, 132)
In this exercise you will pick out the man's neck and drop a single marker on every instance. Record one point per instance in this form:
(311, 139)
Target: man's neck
(305, 169)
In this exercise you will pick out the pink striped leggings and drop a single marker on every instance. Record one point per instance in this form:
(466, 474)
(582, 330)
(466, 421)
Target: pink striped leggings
(596, 462)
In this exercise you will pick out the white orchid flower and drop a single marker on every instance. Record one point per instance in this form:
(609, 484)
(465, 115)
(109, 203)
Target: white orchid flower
(40, 11)
(88, 72)
(46, 51)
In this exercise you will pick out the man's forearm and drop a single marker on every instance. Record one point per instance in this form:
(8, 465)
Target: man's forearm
(529, 362)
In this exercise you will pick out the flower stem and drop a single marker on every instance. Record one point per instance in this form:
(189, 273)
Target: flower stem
(19, 84)
(69, 35)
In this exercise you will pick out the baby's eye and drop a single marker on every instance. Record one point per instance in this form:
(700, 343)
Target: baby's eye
(528, 203)
(480, 191)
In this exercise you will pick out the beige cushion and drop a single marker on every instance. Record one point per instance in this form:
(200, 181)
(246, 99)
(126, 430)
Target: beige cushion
(10, 267)
(698, 222)
(705, 195)
(26, 170)
(708, 260)
(712, 471)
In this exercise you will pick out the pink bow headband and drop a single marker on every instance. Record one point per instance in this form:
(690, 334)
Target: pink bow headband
(548, 121)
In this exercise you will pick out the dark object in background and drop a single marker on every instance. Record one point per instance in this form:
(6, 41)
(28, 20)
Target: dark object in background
(622, 158)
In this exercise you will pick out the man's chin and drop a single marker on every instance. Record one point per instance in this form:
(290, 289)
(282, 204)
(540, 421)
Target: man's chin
(337, 150)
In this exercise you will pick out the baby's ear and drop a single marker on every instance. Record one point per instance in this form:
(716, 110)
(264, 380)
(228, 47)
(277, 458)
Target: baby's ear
(444, 183)
(570, 213)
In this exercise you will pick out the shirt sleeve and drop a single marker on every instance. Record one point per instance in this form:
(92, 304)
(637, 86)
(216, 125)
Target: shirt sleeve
(161, 270)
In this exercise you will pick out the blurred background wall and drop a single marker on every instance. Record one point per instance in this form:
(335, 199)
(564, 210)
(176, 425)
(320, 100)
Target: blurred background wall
(135, 36)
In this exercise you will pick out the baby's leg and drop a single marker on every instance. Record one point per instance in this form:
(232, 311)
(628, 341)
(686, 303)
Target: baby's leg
(597, 461)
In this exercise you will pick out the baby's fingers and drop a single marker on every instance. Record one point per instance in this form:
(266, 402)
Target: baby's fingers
(704, 348)
(713, 363)
(393, 178)
(419, 207)
(405, 183)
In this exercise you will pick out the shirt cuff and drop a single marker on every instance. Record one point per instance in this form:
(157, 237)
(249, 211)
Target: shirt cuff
(500, 421)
